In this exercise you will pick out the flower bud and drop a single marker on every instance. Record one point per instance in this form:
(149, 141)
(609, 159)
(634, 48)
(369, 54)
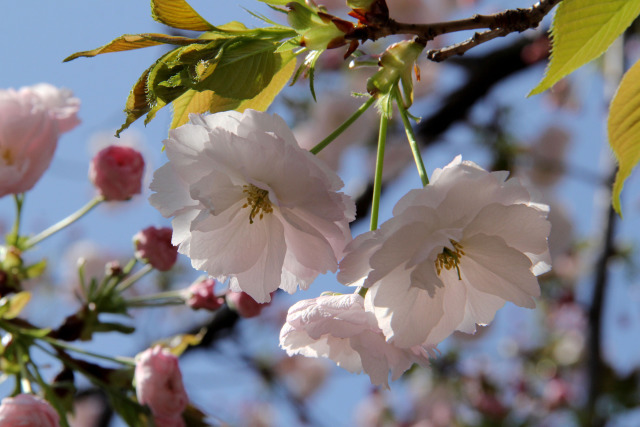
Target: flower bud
(27, 410)
(244, 305)
(117, 172)
(159, 386)
(201, 294)
(153, 246)
(396, 64)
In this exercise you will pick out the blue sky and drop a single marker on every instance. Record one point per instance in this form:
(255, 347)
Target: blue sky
(37, 35)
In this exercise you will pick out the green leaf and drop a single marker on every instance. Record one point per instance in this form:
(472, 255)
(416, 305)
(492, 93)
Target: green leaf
(582, 30)
(244, 70)
(179, 14)
(133, 41)
(624, 129)
(36, 270)
(15, 304)
(137, 104)
(197, 102)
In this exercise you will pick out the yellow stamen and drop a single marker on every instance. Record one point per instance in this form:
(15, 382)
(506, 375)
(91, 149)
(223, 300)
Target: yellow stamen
(449, 259)
(259, 201)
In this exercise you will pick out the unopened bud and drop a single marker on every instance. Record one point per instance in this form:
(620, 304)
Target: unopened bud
(117, 172)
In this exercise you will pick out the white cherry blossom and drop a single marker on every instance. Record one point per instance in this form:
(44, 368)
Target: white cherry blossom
(452, 254)
(250, 205)
(338, 327)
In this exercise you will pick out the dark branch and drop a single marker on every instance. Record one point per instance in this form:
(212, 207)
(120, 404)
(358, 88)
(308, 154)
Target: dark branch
(499, 25)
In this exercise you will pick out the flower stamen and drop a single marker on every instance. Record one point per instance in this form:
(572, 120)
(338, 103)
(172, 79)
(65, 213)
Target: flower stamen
(259, 201)
(449, 259)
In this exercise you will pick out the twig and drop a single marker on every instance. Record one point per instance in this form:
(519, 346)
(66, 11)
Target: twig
(499, 24)
(439, 55)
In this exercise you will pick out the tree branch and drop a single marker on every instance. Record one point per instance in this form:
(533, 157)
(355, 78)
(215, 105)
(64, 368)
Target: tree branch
(499, 25)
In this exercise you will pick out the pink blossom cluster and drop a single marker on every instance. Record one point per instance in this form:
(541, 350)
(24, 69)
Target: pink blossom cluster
(251, 206)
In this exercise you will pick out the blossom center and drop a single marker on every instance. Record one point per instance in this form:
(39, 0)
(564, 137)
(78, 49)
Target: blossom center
(449, 259)
(258, 200)
(7, 156)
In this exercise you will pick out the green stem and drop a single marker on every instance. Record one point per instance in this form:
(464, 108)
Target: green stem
(159, 299)
(64, 223)
(377, 183)
(322, 144)
(413, 143)
(126, 283)
(61, 344)
(25, 383)
(19, 199)
(361, 291)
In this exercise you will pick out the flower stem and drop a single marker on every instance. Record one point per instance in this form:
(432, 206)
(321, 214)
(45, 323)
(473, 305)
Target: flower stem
(64, 223)
(156, 300)
(377, 183)
(61, 344)
(19, 199)
(126, 283)
(413, 143)
(322, 144)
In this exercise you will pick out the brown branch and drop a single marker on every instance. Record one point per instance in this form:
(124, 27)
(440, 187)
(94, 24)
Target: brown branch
(439, 55)
(508, 21)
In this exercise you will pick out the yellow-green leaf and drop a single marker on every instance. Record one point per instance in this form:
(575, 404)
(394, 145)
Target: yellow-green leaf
(137, 103)
(624, 129)
(179, 14)
(133, 41)
(582, 30)
(16, 303)
(193, 101)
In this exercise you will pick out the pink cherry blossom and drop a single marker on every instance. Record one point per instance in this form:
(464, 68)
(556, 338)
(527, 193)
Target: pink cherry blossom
(159, 386)
(250, 205)
(153, 245)
(31, 121)
(201, 294)
(117, 172)
(451, 256)
(338, 327)
(27, 410)
(60, 103)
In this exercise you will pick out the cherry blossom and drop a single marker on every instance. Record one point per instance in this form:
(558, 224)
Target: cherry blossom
(338, 327)
(159, 385)
(27, 410)
(31, 121)
(454, 252)
(250, 205)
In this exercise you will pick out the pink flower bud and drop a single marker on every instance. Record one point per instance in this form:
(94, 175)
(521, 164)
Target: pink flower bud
(244, 305)
(201, 294)
(153, 245)
(117, 172)
(159, 386)
(30, 124)
(27, 410)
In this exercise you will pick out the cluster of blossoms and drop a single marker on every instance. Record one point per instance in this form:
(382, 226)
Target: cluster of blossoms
(249, 205)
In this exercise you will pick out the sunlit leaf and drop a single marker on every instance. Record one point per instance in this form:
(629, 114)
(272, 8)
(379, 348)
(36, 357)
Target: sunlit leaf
(582, 30)
(624, 129)
(244, 70)
(137, 103)
(133, 41)
(15, 304)
(36, 270)
(193, 101)
(179, 14)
